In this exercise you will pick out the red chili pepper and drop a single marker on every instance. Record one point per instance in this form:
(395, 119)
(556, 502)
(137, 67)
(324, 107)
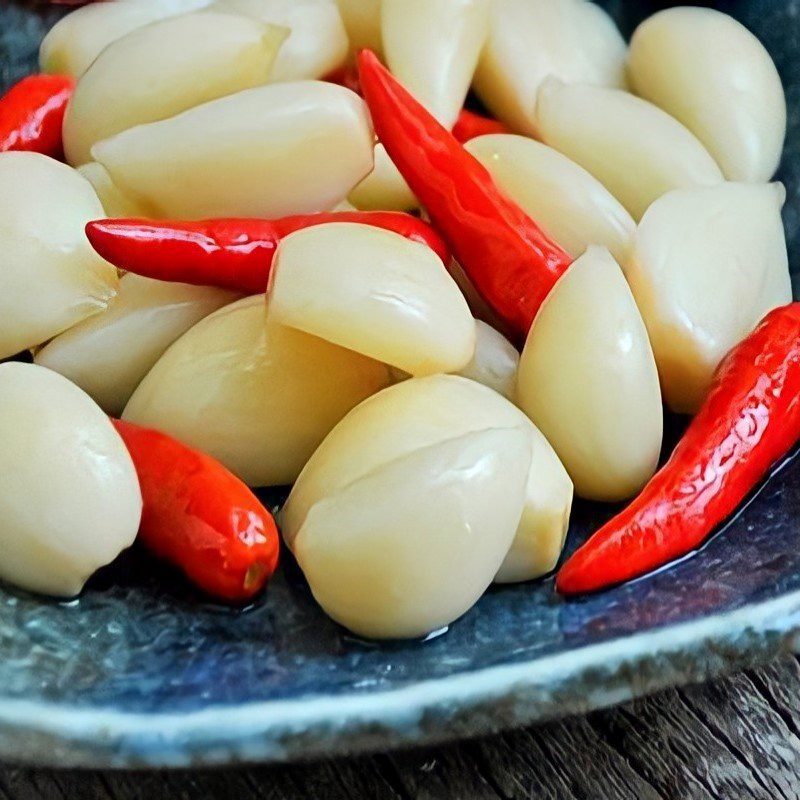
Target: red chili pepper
(230, 253)
(505, 254)
(469, 125)
(31, 114)
(200, 517)
(750, 419)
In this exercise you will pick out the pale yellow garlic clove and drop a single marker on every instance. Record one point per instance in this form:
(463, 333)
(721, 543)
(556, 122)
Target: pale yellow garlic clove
(114, 202)
(432, 48)
(588, 380)
(495, 361)
(572, 207)
(384, 189)
(408, 549)
(362, 21)
(109, 354)
(75, 41)
(707, 264)
(259, 398)
(375, 292)
(317, 43)
(265, 152)
(70, 496)
(50, 277)
(712, 74)
(165, 68)
(574, 40)
(631, 146)
(436, 409)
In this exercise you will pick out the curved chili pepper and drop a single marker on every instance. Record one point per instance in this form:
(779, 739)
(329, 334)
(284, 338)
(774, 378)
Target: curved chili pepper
(229, 253)
(505, 254)
(31, 114)
(470, 125)
(751, 417)
(200, 517)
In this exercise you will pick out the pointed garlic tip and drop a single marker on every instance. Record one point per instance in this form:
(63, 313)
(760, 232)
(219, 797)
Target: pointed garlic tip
(317, 41)
(70, 496)
(528, 40)
(219, 153)
(199, 57)
(384, 189)
(51, 277)
(259, 398)
(588, 380)
(405, 513)
(145, 318)
(636, 150)
(114, 202)
(708, 71)
(75, 41)
(571, 206)
(707, 264)
(375, 292)
(432, 48)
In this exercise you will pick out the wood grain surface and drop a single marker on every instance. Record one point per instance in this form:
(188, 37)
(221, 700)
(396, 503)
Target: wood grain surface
(733, 739)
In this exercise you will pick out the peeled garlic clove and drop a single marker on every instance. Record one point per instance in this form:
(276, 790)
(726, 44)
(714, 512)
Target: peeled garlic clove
(109, 354)
(574, 40)
(70, 496)
(588, 380)
(712, 74)
(259, 398)
(433, 410)
(317, 43)
(495, 361)
(264, 152)
(631, 146)
(432, 48)
(572, 207)
(114, 202)
(707, 264)
(163, 69)
(75, 41)
(410, 548)
(50, 277)
(384, 189)
(374, 292)
(362, 21)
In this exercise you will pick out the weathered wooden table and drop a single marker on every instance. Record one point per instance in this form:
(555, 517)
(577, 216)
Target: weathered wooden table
(732, 739)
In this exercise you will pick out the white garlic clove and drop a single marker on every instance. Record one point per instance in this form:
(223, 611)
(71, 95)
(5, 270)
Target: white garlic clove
(317, 43)
(374, 292)
(712, 74)
(588, 380)
(432, 48)
(636, 150)
(495, 361)
(410, 548)
(50, 277)
(384, 189)
(114, 202)
(76, 40)
(264, 152)
(574, 40)
(163, 69)
(432, 410)
(707, 264)
(572, 206)
(362, 21)
(259, 398)
(70, 496)
(109, 354)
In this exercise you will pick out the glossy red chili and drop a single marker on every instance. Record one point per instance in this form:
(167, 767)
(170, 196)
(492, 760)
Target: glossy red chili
(32, 112)
(470, 125)
(230, 253)
(507, 257)
(200, 517)
(750, 419)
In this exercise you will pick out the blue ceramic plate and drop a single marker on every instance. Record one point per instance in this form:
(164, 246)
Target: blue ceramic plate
(141, 672)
